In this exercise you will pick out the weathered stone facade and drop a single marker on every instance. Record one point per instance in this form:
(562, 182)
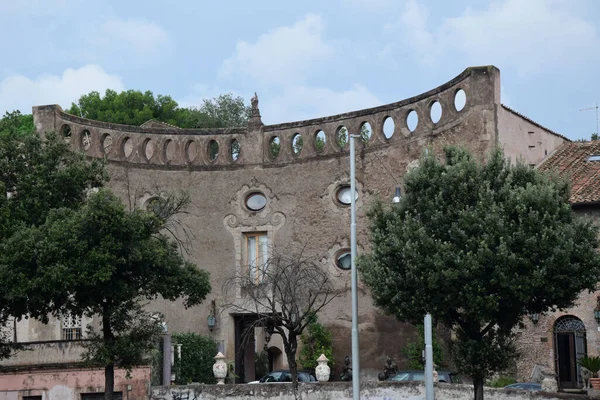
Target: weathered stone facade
(300, 188)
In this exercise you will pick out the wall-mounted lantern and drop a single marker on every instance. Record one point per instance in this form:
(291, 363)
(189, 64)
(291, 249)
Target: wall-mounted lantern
(597, 310)
(212, 319)
(535, 317)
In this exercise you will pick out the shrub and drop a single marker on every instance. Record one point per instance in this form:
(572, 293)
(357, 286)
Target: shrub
(414, 351)
(316, 340)
(197, 358)
(502, 381)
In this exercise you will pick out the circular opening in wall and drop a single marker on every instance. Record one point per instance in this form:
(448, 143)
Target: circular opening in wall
(148, 149)
(191, 150)
(435, 112)
(460, 99)
(343, 195)
(86, 139)
(297, 143)
(235, 149)
(169, 150)
(213, 150)
(274, 146)
(412, 120)
(342, 137)
(66, 131)
(154, 204)
(343, 259)
(106, 143)
(127, 147)
(388, 127)
(256, 201)
(320, 140)
(366, 132)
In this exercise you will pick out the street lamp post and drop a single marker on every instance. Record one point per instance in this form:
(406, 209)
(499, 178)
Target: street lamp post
(355, 347)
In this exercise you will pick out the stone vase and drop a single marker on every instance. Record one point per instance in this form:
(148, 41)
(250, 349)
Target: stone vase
(220, 368)
(322, 370)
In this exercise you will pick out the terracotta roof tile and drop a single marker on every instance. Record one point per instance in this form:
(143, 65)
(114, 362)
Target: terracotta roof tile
(571, 160)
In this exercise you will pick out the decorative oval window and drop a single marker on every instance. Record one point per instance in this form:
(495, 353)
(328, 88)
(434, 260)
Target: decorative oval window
(256, 201)
(343, 195)
(344, 260)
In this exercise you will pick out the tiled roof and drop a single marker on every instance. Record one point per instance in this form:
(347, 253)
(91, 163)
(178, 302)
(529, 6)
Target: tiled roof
(571, 160)
(153, 123)
(507, 108)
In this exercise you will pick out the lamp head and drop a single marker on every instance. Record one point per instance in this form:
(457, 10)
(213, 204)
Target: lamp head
(396, 198)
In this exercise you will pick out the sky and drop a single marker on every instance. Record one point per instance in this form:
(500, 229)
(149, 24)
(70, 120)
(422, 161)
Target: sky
(305, 59)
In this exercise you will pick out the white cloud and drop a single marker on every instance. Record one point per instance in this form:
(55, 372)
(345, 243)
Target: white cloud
(413, 21)
(202, 92)
(18, 92)
(143, 36)
(305, 102)
(526, 35)
(283, 55)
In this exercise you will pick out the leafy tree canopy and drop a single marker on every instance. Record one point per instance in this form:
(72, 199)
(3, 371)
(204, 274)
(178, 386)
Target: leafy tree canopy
(132, 107)
(103, 260)
(15, 123)
(36, 176)
(479, 245)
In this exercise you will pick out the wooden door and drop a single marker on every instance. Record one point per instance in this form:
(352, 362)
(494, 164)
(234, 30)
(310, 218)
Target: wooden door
(566, 360)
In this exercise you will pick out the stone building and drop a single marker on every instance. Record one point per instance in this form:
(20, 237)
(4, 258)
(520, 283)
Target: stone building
(260, 189)
(555, 341)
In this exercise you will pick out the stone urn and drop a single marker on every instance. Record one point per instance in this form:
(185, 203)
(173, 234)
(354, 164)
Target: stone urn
(220, 368)
(322, 371)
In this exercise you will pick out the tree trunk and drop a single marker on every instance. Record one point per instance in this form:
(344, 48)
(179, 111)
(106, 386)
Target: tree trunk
(478, 387)
(109, 381)
(109, 369)
(291, 356)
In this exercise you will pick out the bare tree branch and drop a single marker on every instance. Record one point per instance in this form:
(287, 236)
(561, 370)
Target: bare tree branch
(290, 288)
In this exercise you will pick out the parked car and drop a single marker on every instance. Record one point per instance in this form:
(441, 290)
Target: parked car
(285, 376)
(419, 376)
(524, 386)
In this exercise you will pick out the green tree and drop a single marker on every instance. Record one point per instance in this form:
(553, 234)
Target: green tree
(197, 358)
(133, 107)
(15, 123)
(36, 177)
(223, 111)
(479, 245)
(104, 261)
(316, 340)
(414, 351)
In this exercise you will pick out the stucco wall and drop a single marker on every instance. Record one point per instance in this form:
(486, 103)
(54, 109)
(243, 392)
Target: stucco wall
(46, 353)
(522, 138)
(343, 391)
(68, 384)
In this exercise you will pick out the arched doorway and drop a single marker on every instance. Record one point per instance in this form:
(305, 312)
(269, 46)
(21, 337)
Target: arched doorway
(569, 346)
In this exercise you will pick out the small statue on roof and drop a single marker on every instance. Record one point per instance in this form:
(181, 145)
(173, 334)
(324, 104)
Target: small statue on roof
(254, 103)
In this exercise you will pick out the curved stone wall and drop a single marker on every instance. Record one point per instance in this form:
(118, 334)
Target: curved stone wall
(189, 148)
